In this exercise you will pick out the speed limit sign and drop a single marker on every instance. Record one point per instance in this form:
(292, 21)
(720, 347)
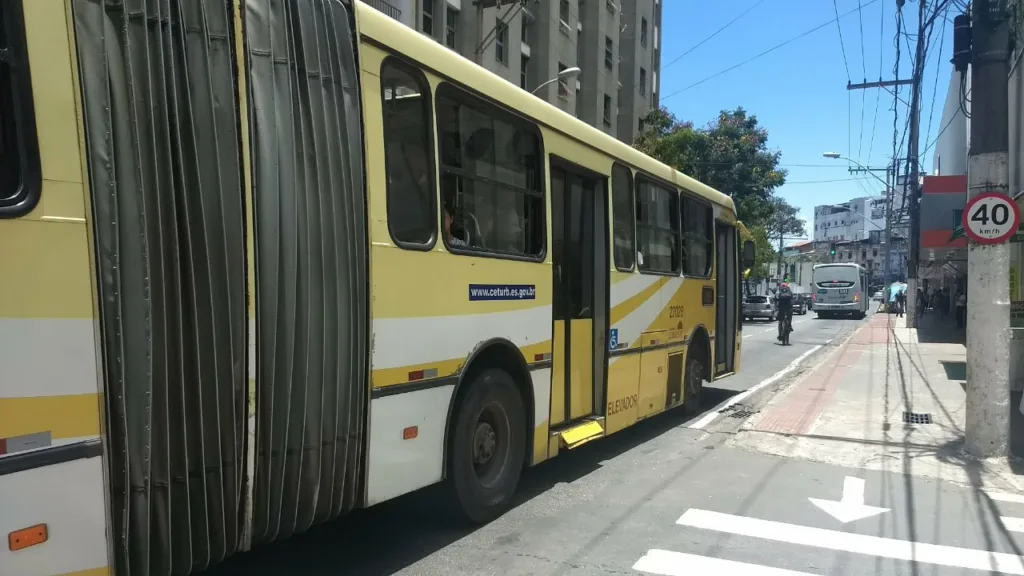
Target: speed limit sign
(991, 218)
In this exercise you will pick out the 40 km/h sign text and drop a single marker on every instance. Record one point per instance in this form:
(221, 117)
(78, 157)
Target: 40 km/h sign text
(991, 218)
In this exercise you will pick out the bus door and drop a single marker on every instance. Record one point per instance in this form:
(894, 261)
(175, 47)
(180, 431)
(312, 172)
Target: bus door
(579, 246)
(728, 284)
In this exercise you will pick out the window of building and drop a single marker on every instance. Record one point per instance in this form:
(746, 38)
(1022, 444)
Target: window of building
(524, 33)
(607, 113)
(643, 81)
(501, 41)
(609, 53)
(408, 155)
(563, 10)
(428, 17)
(563, 83)
(524, 62)
(490, 178)
(643, 31)
(19, 151)
(657, 228)
(698, 231)
(451, 31)
(623, 224)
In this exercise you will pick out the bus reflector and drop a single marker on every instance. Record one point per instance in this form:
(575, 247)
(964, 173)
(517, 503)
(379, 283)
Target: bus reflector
(20, 539)
(416, 375)
(410, 432)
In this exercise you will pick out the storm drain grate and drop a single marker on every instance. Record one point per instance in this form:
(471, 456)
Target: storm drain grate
(916, 418)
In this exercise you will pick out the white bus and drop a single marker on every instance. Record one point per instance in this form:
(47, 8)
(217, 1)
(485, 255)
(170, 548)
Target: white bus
(840, 289)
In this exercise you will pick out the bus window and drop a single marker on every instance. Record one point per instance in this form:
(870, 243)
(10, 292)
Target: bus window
(491, 170)
(19, 153)
(408, 155)
(623, 225)
(698, 237)
(657, 225)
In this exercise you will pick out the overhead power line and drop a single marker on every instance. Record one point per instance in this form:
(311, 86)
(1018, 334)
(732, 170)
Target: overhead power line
(713, 34)
(764, 53)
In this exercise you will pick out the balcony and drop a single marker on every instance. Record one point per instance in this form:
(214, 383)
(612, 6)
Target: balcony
(386, 8)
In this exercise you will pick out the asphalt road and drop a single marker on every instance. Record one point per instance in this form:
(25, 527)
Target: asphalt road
(669, 497)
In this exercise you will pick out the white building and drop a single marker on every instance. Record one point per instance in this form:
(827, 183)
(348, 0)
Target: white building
(849, 221)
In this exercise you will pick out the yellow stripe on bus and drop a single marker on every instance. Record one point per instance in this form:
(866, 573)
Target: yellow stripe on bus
(72, 416)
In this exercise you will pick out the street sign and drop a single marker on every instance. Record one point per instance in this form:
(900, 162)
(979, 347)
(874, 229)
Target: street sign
(991, 218)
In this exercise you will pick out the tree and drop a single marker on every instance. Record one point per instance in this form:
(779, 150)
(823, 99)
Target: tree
(730, 154)
(784, 219)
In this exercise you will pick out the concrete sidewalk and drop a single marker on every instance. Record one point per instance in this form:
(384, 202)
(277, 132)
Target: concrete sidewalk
(889, 398)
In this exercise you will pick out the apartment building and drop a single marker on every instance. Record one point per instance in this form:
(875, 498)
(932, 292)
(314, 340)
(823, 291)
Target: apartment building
(616, 44)
(849, 221)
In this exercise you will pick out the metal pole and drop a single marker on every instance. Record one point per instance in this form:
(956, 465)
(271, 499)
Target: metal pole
(988, 315)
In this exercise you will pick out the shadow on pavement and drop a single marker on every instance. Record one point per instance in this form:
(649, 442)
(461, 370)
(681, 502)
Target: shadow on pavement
(396, 534)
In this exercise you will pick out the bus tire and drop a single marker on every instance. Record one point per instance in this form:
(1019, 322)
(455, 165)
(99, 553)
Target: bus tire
(488, 446)
(693, 380)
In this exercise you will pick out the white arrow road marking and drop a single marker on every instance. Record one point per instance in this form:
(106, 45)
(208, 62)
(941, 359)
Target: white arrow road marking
(877, 546)
(668, 563)
(852, 506)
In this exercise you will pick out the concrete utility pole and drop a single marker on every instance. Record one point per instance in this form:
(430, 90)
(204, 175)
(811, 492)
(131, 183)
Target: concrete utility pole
(988, 315)
(912, 158)
(889, 195)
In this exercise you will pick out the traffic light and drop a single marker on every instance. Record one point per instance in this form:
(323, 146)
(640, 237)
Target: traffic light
(831, 249)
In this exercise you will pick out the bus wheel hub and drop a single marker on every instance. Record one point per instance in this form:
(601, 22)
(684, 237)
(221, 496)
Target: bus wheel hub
(484, 441)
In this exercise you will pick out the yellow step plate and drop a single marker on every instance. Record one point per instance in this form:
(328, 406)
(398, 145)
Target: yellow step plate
(581, 434)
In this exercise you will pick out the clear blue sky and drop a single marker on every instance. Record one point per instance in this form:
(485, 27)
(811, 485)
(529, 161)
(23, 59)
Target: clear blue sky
(798, 92)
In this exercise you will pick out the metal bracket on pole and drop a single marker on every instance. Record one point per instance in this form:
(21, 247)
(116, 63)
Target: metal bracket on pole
(879, 84)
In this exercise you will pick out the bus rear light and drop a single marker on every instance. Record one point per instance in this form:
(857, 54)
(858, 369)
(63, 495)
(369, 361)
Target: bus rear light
(416, 375)
(26, 537)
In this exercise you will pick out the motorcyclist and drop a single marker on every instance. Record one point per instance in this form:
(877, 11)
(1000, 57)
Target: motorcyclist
(784, 300)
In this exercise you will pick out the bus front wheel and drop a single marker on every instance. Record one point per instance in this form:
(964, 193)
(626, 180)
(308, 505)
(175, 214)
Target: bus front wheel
(488, 446)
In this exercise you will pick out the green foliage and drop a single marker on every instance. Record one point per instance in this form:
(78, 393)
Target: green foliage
(784, 220)
(730, 154)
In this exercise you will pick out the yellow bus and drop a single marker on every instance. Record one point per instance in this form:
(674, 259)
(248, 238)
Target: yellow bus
(266, 262)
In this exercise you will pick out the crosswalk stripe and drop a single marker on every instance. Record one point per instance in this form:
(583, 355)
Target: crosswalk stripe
(1005, 497)
(1013, 524)
(855, 543)
(668, 563)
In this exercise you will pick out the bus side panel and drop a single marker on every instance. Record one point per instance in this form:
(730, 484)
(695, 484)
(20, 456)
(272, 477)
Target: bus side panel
(636, 304)
(51, 469)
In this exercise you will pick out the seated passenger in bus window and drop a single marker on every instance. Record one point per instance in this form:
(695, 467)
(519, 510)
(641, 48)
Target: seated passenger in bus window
(456, 237)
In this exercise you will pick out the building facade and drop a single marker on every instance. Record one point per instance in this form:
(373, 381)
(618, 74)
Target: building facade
(849, 221)
(616, 44)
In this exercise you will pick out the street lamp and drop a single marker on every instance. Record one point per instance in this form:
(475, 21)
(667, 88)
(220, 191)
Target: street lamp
(837, 156)
(563, 75)
(888, 216)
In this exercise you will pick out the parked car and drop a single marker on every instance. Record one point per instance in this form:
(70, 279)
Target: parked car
(759, 307)
(878, 296)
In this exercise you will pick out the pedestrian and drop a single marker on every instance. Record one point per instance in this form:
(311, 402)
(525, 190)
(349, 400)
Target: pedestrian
(961, 309)
(899, 301)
